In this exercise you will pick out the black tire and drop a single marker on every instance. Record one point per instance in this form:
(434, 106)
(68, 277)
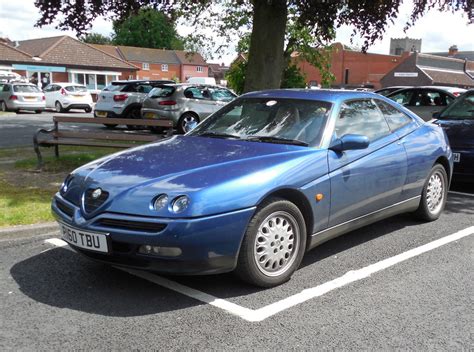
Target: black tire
(3, 106)
(184, 119)
(427, 211)
(134, 114)
(110, 125)
(255, 271)
(58, 107)
(157, 130)
(38, 111)
(87, 110)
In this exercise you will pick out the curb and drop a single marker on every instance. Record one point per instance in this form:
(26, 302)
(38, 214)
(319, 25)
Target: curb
(28, 230)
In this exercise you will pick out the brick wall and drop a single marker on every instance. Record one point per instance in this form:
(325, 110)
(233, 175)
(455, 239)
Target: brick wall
(188, 71)
(156, 72)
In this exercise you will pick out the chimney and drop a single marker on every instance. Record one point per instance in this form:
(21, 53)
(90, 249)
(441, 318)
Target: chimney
(453, 50)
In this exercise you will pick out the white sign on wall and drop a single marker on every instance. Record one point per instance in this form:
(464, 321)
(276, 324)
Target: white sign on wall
(405, 74)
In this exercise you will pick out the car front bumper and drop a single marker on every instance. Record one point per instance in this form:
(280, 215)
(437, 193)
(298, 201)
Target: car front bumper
(208, 244)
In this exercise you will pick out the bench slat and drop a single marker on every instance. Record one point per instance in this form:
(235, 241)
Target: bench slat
(112, 121)
(106, 136)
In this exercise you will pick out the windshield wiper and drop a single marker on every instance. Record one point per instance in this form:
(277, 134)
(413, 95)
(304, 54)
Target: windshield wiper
(273, 139)
(217, 135)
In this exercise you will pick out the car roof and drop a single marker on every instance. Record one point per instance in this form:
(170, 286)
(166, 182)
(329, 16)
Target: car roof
(329, 95)
(67, 84)
(138, 81)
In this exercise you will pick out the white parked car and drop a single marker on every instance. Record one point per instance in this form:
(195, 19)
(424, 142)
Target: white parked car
(65, 96)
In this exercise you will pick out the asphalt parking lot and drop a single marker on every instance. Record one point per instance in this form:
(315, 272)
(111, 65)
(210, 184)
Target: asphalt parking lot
(397, 284)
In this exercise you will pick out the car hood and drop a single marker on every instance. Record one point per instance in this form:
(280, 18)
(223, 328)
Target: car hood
(460, 132)
(215, 173)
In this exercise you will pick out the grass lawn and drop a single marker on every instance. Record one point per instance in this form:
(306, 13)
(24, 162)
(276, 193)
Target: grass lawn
(25, 194)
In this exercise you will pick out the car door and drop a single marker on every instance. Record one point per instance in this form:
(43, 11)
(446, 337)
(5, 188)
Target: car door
(364, 181)
(427, 101)
(199, 100)
(49, 95)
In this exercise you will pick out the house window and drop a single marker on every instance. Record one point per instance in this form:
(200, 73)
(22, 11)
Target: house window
(146, 66)
(200, 69)
(164, 67)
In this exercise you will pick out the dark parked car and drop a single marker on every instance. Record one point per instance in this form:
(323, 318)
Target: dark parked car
(458, 122)
(424, 101)
(257, 184)
(387, 90)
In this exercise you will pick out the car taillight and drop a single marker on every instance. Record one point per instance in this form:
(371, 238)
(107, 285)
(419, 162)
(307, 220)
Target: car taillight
(457, 94)
(167, 102)
(120, 97)
(43, 98)
(63, 91)
(13, 97)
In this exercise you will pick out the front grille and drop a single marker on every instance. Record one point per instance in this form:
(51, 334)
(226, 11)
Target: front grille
(91, 204)
(65, 208)
(131, 225)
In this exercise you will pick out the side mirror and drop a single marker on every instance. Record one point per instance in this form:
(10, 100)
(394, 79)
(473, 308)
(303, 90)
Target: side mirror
(349, 142)
(436, 114)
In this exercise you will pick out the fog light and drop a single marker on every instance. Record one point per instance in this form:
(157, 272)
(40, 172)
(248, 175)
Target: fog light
(180, 204)
(161, 251)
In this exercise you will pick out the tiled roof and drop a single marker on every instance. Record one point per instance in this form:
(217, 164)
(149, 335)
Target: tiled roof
(109, 49)
(10, 54)
(69, 51)
(159, 56)
(469, 55)
(449, 77)
(188, 58)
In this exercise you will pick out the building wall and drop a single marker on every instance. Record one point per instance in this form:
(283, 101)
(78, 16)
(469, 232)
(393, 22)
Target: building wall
(188, 71)
(361, 69)
(155, 71)
(400, 45)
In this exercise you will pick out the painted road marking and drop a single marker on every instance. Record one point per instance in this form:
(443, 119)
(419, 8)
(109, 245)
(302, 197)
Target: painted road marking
(260, 314)
(461, 193)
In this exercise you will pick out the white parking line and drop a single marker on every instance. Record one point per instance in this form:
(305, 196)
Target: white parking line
(461, 193)
(305, 295)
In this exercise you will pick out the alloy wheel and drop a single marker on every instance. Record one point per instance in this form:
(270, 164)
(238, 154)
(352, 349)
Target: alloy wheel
(435, 192)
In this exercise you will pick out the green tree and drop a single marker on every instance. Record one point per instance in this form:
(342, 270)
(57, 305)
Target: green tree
(272, 24)
(148, 28)
(236, 76)
(292, 77)
(95, 38)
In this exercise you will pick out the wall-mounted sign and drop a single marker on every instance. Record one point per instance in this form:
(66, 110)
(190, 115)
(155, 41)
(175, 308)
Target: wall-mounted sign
(405, 74)
(39, 68)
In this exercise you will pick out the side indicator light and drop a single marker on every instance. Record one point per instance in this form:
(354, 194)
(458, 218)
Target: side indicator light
(319, 197)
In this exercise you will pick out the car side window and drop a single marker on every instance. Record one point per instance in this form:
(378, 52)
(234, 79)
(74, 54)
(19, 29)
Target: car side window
(221, 95)
(395, 118)
(403, 98)
(197, 93)
(6, 88)
(361, 117)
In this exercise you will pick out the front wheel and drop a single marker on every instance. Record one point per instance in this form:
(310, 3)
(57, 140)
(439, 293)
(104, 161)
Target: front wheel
(87, 110)
(38, 111)
(433, 197)
(273, 245)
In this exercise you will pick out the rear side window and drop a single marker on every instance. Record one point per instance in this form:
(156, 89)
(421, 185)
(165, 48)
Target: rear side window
(161, 92)
(395, 118)
(6, 88)
(221, 94)
(25, 89)
(361, 117)
(76, 88)
(197, 93)
(430, 98)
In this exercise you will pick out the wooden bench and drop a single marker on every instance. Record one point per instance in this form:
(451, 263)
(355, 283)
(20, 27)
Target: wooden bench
(112, 139)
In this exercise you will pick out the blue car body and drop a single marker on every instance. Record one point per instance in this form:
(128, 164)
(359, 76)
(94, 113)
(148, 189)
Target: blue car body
(227, 179)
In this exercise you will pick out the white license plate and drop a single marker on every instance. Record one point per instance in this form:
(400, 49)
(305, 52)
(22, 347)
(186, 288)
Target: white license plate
(83, 239)
(101, 114)
(456, 157)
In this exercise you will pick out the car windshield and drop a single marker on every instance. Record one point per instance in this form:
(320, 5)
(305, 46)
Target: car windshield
(289, 121)
(76, 89)
(161, 92)
(26, 88)
(461, 108)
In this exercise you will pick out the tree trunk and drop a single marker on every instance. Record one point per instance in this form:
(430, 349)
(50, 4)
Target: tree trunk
(265, 60)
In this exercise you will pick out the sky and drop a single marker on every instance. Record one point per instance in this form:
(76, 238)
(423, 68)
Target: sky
(438, 31)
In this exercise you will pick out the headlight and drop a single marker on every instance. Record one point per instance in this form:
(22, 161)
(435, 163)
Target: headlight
(180, 204)
(160, 202)
(66, 183)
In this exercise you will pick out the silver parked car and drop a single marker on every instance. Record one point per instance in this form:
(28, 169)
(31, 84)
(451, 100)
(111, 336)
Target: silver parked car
(424, 101)
(21, 96)
(123, 99)
(185, 104)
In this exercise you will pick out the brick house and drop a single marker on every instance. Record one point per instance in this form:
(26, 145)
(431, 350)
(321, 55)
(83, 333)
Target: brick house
(192, 65)
(152, 63)
(352, 68)
(64, 59)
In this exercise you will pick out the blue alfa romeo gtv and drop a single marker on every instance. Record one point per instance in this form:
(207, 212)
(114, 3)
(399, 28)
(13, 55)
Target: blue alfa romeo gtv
(257, 184)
